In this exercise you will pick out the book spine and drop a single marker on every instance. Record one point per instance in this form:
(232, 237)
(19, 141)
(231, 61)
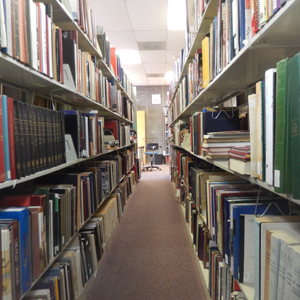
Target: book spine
(2, 159)
(27, 144)
(11, 136)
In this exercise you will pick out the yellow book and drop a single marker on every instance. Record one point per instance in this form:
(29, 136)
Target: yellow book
(205, 59)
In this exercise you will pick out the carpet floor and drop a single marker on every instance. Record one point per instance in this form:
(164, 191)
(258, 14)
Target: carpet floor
(149, 255)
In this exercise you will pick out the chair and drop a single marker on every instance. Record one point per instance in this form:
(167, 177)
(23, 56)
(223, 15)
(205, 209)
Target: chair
(151, 147)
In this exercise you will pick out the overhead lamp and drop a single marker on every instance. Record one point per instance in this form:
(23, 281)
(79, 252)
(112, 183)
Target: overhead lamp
(169, 76)
(129, 57)
(176, 15)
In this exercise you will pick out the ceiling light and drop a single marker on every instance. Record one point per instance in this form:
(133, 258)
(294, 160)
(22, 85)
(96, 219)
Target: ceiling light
(176, 15)
(169, 76)
(129, 57)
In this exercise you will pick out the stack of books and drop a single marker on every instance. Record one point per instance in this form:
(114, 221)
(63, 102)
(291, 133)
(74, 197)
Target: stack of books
(216, 145)
(239, 160)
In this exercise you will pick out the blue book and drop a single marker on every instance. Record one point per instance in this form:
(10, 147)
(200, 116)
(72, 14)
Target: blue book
(242, 34)
(22, 215)
(248, 209)
(5, 137)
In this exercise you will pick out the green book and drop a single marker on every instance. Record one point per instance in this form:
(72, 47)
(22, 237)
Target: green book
(293, 122)
(282, 180)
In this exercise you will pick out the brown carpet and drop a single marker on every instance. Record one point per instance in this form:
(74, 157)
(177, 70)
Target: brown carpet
(150, 256)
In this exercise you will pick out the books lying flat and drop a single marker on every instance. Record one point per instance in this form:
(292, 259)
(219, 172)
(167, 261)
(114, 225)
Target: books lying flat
(240, 166)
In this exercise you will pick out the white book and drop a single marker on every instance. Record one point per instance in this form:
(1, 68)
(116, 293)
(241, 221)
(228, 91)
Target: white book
(50, 48)
(33, 59)
(252, 102)
(3, 38)
(292, 238)
(295, 292)
(6, 269)
(287, 293)
(261, 225)
(8, 23)
(249, 249)
(269, 123)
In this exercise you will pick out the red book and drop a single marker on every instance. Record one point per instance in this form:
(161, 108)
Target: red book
(11, 136)
(113, 60)
(112, 126)
(2, 161)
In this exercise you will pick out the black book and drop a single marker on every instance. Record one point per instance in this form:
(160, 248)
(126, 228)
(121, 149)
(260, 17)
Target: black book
(46, 283)
(41, 123)
(62, 136)
(69, 55)
(33, 139)
(18, 153)
(49, 139)
(27, 146)
(56, 223)
(73, 127)
(86, 247)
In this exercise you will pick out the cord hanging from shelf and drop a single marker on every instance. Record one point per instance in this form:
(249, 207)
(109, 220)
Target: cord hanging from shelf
(272, 203)
(230, 117)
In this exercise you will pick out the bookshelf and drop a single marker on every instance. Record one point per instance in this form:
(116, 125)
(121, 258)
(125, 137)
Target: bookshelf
(25, 84)
(274, 41)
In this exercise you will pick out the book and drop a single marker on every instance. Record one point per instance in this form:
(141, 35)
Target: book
(2, 157)
(293, 140)
(241, 166)
(22, 215)
(5, 137)
(252, 99)
(261, 225)
(270, 102)
(220, 120)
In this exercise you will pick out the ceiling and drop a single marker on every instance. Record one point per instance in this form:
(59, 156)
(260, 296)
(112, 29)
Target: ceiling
(141, 25)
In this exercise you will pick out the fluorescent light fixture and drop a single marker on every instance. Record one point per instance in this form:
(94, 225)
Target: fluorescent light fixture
(169, 76)
(176, 15)
(129, 57)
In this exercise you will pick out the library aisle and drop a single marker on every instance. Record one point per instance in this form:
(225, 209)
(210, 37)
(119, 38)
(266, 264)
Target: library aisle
(149, 255)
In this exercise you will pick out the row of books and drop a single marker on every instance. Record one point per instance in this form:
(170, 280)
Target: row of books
(276, 101)
(59, 55)
(50, 213)
(230, 213)
(232, 27)
(39, 132)
(71, 271)
(196, 133)
(113, 60)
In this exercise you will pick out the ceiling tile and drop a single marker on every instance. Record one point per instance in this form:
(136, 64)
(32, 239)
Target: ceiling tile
(159, 82)
(155, 68)
(139, 83)
(148, 15)
(153, 56)
(133, 77)
(133, 69)
(112, 15)
(172, 55)
(170, 67)
(124, 40)
(175, 39)
(151, 36)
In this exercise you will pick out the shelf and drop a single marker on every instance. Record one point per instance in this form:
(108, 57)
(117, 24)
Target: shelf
(278, 39)
(109, 74)
(18, 75)
(207, 18)
(13, 183)
(72, 238)
(223, 164)
(63, 19)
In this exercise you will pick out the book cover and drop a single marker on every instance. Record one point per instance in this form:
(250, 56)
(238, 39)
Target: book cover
(2, 157)
(5, 137)
(293, 142)
(270, 85)
(22, 215)
(11, 137)
(214, 121)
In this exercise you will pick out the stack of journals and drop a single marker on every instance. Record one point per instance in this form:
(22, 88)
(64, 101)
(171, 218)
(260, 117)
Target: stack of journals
(217, 144)
(239, 160)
